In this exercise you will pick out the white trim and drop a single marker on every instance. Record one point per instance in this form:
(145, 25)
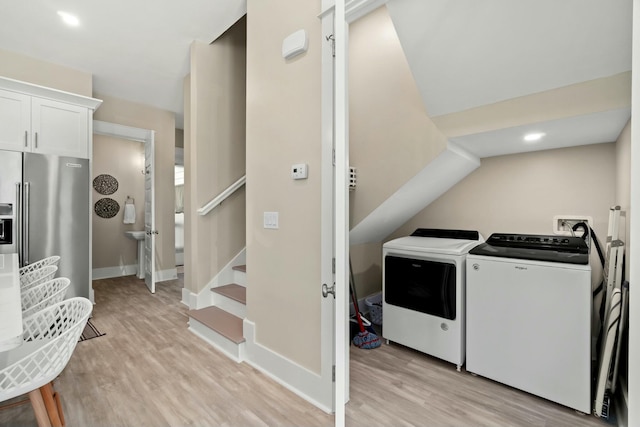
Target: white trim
(130, 270)
(287, 373)
(121, 131)
(188, 298)
(451, 166)
(634, 227)
(232, 350)
(224, 277)
(327, 305)
(341, 211)
(354, 9)
(117, 271)
(164, 275)
(222, 196)
(49, 93)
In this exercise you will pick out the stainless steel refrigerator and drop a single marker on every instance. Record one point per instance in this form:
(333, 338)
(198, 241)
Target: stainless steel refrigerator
(44, 211)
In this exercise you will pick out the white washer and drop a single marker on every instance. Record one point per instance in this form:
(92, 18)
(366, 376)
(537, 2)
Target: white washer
(529, 316)
(424, 291)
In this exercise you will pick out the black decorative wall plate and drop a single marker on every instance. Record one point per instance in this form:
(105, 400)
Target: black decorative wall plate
(105, 184)
(106, 208)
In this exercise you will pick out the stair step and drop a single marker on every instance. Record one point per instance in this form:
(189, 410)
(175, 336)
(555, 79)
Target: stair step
(242, 268)
(224, 323)
(233, 291)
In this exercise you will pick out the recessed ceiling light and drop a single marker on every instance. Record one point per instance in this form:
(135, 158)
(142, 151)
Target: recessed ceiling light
(69, 19)
(535, 136)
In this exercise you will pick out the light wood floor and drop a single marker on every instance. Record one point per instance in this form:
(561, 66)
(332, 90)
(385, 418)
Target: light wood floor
(150, 371)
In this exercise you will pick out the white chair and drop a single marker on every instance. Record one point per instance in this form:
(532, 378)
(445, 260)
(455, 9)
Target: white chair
(36, 277)
(43, 295)
(50, 336)
(52, 260)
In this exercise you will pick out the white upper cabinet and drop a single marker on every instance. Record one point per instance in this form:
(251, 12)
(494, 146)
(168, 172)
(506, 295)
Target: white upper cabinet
(15, 120)
(59, 128)
(42, 120)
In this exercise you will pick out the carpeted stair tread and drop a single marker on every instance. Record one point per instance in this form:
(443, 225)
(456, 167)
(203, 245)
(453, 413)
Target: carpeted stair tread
(242, 268)
(233, 291)
(224, 323)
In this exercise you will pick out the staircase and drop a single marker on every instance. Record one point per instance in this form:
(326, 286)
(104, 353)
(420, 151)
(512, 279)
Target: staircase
(221, 323)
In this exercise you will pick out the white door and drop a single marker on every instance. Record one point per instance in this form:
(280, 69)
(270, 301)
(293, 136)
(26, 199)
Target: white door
(328, 301)
(336, 78)
(149, 216)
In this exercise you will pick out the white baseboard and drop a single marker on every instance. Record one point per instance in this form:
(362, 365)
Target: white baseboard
(188, 298)
(289, 374)
(129, 270)
(232, 350)
(204, 298)
(164, 275)
(117, 271)
(179, 258)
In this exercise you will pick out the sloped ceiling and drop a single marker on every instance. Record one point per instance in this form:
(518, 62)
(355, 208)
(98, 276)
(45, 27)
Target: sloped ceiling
(509, 65)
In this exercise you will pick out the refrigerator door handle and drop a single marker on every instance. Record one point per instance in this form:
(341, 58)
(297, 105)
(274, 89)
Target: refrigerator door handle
(25, 242)
(19, 223)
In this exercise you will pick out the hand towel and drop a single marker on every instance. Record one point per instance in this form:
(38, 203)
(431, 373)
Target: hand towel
(129, 213)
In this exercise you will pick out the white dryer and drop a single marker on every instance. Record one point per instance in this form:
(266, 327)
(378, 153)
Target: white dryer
(423, 289)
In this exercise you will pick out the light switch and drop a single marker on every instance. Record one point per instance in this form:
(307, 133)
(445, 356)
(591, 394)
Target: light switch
(271, 220)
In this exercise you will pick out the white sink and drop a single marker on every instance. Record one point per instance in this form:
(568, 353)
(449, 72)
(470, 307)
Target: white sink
(139, 236)
(136, 235)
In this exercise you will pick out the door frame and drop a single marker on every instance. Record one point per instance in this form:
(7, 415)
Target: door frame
(343, 13)
(144, 136)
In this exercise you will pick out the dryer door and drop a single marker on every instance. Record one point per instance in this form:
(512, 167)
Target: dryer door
(421, 285)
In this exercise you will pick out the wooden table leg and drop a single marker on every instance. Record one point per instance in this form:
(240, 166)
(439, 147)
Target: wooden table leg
(39, 409)
(51, 405)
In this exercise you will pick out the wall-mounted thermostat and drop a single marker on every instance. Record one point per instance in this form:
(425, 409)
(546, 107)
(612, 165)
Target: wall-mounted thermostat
(295, 44)
(299, 171)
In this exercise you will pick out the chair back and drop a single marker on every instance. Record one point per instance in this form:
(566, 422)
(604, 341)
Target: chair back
(49, 338)
(36, 277)
(43, 295)
(52, 260)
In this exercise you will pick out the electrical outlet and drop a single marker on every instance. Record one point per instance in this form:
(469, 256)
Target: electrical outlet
(562, 223)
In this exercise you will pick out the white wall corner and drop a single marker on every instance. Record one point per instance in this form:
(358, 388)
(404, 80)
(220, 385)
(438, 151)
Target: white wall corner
(289, 374)
(451, 166)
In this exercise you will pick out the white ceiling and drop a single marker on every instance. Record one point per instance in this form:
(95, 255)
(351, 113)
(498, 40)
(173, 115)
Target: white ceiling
(467, 54)
(136, 50)
(463, 54)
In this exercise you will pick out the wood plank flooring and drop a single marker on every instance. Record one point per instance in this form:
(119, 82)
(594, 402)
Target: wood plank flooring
(150, 371)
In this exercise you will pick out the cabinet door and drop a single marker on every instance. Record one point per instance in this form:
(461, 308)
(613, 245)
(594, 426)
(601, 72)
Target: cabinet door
(59, 128)
(15, 115)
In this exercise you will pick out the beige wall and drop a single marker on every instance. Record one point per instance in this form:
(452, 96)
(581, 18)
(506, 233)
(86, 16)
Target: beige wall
(127, 113)
(19, 67)
(607, 93)
(215, 154)
(124, 160)
(518, 193)
(283, 128)
(623, 184)
(521, 193)
(390, 136)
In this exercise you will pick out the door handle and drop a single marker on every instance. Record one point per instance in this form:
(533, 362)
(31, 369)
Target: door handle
(326, 290)
(25, 243)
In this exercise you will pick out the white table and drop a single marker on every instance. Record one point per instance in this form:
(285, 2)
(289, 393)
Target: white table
(10, 303)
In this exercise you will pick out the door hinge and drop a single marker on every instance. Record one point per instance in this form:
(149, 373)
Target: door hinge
(333, 156)
(333, 265)
(333, 373)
